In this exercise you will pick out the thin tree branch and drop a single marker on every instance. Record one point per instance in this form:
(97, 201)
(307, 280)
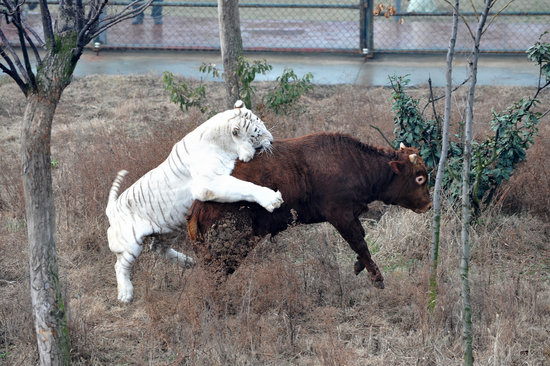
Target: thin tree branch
(435, 116)
(467, 335)
(79, 14)
(432, 97)
(31, 30)
(24, 32)
(14, 76)
(92, 19)
(12, 70)
(384, 137)
(128, 12)
(12, 58)
(475, 10)
(49, 36)
(434, 252)
(115, 20)
(22, 35)
(496, 15)
(28, 29)
(464, 18)
(443, 96)
(540, 76)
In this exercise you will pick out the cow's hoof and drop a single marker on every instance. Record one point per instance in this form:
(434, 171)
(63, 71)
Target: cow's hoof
(358, 267)
(379, 284)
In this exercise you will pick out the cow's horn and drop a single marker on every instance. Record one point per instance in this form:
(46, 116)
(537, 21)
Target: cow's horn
(402, 146)
(412, 158)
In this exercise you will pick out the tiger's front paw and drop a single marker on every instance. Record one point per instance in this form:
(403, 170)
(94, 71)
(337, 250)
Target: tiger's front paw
(246, 153)
(275, 202)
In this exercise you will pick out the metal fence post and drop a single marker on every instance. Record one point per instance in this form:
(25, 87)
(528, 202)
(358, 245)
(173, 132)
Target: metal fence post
(366, 28)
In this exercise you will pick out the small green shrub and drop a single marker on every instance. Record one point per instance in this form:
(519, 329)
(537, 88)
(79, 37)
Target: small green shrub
(210, 69)
(246, 71)
(410, 126)
(540, 53)
(495, 158)
(184, 95)
(283, 98)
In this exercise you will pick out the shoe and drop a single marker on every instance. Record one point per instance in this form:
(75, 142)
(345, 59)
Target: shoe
(137, 21)
(158, 21)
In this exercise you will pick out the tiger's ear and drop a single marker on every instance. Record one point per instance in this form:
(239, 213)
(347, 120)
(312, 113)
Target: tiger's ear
(235, 131)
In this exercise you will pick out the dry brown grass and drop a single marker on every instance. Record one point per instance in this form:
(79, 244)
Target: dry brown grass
(295, 300)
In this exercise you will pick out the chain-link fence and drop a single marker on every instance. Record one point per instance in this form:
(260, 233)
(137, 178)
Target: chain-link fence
(282, 25)
(425, 26)
(347, 26)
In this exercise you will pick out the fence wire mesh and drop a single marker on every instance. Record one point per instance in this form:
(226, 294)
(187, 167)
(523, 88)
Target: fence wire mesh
(425, 25)
(265, 25)
(319, 26)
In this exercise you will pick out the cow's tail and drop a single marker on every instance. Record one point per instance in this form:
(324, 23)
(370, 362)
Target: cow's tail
(193, 228)
(195, 220)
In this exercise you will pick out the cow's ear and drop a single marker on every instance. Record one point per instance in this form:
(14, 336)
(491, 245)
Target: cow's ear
(396, 166)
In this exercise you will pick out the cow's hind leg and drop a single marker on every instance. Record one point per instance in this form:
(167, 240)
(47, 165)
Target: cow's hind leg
(353, 233)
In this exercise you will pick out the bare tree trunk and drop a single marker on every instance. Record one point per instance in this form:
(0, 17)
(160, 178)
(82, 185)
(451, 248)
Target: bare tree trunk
(466, 201)
(42, 83)
(434, 253)
(48, 307)
(231, 45)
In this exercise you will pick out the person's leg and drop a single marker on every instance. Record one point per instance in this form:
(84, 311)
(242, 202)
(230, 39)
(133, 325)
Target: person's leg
(156, 13)
(101, 37)
(138, 19)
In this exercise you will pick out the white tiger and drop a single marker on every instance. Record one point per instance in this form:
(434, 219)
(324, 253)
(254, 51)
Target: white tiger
(198, 167)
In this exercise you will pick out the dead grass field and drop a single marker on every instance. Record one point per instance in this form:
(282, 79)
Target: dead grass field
(295, 300)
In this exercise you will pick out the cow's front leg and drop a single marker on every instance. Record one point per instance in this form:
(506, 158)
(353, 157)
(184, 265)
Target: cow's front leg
(353, 233)
(358, 267)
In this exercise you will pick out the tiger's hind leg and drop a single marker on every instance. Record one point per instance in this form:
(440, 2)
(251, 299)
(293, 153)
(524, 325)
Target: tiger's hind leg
(126, 252)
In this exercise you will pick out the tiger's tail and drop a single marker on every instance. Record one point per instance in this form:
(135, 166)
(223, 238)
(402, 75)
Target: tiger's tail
(113, 193)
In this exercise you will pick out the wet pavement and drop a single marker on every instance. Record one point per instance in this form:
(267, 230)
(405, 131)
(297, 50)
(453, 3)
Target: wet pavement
(326, 68)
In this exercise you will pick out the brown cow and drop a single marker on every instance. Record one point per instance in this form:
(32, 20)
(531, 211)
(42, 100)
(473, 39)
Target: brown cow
(323, 177)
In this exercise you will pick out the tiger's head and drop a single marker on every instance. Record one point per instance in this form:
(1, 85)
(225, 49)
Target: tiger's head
(249, 132)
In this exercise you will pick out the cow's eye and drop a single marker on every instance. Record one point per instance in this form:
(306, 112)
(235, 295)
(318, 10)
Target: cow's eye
(420, 179)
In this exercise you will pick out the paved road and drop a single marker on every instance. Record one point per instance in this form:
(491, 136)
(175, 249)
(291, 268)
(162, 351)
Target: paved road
(326, 68)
